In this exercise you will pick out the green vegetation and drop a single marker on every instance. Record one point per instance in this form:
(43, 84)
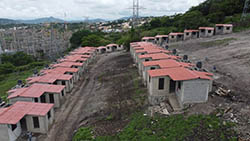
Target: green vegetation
(217, 42)
(16, 67)
(177, 127)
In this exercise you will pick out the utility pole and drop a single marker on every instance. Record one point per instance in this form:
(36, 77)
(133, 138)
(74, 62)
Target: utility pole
(244, 13)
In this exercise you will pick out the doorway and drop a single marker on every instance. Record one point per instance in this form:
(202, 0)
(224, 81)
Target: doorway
(23, 124)
(172, 86)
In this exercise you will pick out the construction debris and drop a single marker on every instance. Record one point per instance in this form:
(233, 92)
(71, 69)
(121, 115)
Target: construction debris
(222, 92)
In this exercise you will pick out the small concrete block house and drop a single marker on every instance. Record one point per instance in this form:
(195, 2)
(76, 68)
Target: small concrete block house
(175, 37)
(153, 57)
(112, 47)
(76, 59)
(191, 34)
(25, 116)
(149, 51)
(120, 47)
(39, 93)
(161, 40)
(102, 50)
(223, 29)
(80, 66)
(54, 79)
(61, 70)
(186, 85)
(161, 64)
(148, 39)
(206, 32)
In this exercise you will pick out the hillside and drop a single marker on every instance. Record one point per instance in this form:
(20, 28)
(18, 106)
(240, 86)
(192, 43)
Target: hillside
(227, 56)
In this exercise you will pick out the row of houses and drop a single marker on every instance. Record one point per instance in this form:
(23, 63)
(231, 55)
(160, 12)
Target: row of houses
(170, 77)
(202, 32)
(109, 48)
(31, 107)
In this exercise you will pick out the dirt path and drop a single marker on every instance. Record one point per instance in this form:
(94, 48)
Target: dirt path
(80, 104)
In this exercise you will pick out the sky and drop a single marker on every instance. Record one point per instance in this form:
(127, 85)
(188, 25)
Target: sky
(80, 9)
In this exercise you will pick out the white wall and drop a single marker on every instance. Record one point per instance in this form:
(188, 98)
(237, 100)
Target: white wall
(194, 91)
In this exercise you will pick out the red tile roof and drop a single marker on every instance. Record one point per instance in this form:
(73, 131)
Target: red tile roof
(161, 36)
(36, 90)
(73, 58)
(158, 56)
(49, 78)
(68, 64)
(179, 74)
(148, 38)
(175, 34)
(110, 45)
(227, 25)
(169, 63)
(61, 70)
(206, 28)
(14, 113)
(191, 31)
(153, 50)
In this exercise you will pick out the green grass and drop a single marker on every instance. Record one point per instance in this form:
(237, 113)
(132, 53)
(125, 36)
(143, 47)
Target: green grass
(217, 42)
(177, 127)
(10, 80)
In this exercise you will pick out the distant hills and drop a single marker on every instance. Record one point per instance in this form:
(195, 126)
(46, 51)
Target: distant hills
(4, 21)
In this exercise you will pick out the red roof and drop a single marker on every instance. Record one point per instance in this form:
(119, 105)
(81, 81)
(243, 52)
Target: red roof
(73, 58)
(110, 45)
(61, 70)
(179, 74)
(68, 64)
(206, 28)
(161, 36)
(148, 38)
(227, 25)
(167, 64)
(158, 56)
(191, 31)
(36, 90)
(49, 78)
(176, 34)
(14, 113)
(102, 47)
(152, 50)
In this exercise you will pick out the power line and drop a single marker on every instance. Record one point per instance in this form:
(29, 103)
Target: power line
(136, 12)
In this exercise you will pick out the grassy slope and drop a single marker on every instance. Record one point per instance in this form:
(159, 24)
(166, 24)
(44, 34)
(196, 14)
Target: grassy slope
(10, 80)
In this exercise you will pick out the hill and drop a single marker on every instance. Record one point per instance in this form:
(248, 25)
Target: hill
(7, 21)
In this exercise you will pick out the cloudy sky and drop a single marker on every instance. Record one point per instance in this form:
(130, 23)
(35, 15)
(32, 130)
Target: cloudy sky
(78, 9)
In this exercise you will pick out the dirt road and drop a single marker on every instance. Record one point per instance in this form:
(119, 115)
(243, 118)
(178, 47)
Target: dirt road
(81, 103)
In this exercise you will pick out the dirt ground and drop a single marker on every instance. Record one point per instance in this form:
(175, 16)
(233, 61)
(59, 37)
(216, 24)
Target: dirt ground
(105, 91)
(230, 55)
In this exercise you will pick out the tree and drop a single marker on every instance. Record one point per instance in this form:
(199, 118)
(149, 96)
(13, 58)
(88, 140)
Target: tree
(76, 38)
(94, 40)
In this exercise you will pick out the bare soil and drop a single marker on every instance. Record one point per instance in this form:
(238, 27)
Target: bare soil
(230, 55)
(107, 89)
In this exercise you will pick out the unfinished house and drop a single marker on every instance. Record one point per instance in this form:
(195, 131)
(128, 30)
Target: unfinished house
(134, 49)
(112, 47)
(76, 59)
(85, 51)
(206, 32)
(161, 40)
(80, 66)
(54, 79)
(148, 39)
(161, 64)
(62, 70)
(191, 34)
(120, 47)
(153, 57)
(175, 37)
(39, 93)
(180, 85)
(102, 50)
(149, 51)
(223, 29)
(25, 117)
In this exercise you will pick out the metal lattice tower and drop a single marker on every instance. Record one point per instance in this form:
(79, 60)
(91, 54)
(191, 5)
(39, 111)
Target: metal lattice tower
(136, 12)
(246, 7)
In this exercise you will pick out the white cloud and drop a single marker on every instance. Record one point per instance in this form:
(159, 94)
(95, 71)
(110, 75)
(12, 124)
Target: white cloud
(77, 9)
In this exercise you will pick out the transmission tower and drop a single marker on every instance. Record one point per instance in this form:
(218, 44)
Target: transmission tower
(136, 12)
(246, 6)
